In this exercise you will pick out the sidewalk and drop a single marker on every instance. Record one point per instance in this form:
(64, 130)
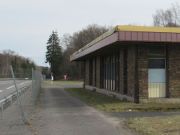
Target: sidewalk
(11, 122)
(58, 113)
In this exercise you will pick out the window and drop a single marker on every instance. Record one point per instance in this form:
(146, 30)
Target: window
(157, 63)
(111, 72)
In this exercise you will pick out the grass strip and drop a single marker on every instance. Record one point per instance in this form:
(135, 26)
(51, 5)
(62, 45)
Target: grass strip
(110, 104)
(166, 125)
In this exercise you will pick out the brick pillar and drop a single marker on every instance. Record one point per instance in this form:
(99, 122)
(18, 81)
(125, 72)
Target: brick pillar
(174, 71)
(131, 71)
(94, 72)
(143, 71)
(121, 73)
(87, 72)
(98, 72)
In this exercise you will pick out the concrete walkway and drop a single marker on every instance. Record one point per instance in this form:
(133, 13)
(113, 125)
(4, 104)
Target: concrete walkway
(11, 121)
(58, 113)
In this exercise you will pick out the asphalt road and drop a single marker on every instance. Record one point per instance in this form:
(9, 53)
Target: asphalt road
(7, 86)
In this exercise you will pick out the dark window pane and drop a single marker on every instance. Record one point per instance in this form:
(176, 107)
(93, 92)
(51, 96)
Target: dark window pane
(156, 63)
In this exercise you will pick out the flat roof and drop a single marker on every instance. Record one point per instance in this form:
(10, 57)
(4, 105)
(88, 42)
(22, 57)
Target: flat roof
(147, 29)
(130, 33)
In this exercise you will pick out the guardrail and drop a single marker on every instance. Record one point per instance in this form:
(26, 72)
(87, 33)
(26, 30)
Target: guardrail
(7, 101)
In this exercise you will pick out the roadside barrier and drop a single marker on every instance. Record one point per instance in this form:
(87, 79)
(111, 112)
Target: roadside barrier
(7, 101)
(25, 93)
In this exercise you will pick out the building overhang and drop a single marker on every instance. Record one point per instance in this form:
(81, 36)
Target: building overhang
(129, 34)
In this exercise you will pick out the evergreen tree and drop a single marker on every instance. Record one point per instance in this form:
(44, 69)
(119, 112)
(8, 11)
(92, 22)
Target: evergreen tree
(54, 54)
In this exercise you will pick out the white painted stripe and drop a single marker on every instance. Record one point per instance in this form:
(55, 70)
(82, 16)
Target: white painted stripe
(1, 91)
(10, 87)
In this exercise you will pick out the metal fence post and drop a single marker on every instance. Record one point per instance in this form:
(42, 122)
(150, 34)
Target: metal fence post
(32, 82)
(18, 99)
(2, 108)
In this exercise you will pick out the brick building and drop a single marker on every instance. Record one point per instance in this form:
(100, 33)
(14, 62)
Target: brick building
(133, 63)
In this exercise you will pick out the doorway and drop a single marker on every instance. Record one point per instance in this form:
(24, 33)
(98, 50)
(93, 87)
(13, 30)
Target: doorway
(157, 78)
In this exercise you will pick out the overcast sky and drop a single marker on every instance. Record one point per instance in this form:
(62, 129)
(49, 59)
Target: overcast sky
(25, 25)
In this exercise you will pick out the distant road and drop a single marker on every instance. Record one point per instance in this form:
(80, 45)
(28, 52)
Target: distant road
(7, 86)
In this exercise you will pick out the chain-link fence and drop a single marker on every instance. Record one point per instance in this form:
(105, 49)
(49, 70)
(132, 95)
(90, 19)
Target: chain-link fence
(18, 94)
(36, 84)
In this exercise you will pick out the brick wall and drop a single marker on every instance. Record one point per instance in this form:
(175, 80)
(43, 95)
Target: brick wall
(131, 71)
(143, 71)
(121, 76)
(94, 72)
(87, 72)
(174, 71)
(98, 72)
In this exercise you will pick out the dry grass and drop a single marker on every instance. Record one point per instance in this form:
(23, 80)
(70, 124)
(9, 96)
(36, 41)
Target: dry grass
(61, 82)
(146, 125)
(110, 104)
(156, 125)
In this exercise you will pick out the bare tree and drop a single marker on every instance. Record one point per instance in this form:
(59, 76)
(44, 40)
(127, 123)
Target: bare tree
(21, 65)
(75, 42)
(169, 17)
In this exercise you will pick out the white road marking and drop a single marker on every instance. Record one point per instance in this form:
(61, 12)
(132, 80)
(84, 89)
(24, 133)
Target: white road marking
(10, 87)
(1, 91)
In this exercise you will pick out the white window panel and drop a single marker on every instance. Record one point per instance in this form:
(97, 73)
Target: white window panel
(157, 75)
